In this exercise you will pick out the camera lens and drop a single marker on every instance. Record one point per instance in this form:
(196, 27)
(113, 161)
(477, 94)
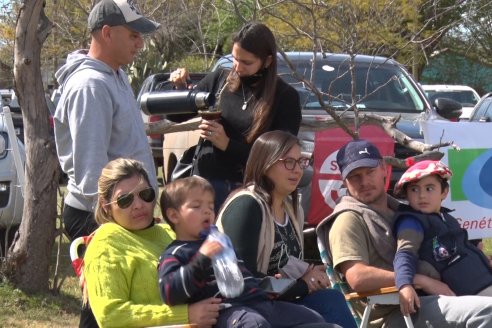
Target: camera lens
(175, 102)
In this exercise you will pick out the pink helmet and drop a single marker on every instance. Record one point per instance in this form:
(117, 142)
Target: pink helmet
(422, 169)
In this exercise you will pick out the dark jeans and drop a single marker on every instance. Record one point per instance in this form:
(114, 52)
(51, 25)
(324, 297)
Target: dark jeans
(77, 222)
(266, 314)
(87, 319)
(331, 304)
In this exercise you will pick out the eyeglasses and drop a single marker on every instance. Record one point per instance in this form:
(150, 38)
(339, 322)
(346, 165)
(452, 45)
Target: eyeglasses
(290, 163)
(125, 200)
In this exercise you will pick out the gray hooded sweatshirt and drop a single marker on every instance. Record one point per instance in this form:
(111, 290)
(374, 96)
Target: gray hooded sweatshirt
(97, 119)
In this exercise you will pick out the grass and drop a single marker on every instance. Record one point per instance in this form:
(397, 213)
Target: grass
(45, 310)
(487, 246)
(52, 309)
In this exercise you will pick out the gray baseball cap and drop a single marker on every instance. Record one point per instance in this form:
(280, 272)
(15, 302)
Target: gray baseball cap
(120, 12)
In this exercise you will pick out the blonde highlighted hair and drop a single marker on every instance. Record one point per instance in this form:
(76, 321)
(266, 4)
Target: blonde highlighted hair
(114, 172)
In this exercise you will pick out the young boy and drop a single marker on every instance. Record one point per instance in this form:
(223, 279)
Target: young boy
(185, 267)
(426, 231)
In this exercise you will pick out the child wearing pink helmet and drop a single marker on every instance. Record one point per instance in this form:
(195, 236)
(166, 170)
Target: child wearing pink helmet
(429, 237)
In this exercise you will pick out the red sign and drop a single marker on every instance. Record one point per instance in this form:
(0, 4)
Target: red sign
(327, 183)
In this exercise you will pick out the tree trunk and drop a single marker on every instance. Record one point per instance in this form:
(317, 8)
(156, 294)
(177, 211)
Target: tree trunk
(29, 258)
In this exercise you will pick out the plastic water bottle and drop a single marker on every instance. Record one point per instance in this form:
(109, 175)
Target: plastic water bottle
(227, 273)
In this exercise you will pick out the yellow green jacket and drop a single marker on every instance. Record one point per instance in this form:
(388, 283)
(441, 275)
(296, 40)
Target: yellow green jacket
(121, 276)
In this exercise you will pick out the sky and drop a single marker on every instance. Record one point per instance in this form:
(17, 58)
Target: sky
(4, 4)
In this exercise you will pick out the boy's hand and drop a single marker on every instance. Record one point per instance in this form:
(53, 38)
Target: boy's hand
(409, 300)
(204, 313)
(432, 286)
(210, 248)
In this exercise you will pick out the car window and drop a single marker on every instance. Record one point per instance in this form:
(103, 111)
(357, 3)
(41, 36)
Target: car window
(465, 97)
(484, 111)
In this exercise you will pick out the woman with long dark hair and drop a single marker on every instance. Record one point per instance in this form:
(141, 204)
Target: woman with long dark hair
(253, 100)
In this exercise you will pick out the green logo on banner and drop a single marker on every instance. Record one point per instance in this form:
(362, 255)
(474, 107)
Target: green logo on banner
(459, 161)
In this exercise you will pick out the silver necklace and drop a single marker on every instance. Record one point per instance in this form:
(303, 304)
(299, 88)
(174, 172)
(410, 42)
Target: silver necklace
(246, 101)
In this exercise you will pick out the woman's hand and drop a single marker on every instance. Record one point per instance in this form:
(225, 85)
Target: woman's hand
(204, 313)
(214, 132)
(180, 78)
(316, 278)
(409, 300)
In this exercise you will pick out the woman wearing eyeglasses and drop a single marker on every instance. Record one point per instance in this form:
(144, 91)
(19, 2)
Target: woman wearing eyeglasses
(265, 221)
(120, 264)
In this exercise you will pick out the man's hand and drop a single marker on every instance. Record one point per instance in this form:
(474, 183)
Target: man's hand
(409, 300)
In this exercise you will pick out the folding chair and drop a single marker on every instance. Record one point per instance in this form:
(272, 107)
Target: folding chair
(77, 251)
(383, 296)
(388, 296)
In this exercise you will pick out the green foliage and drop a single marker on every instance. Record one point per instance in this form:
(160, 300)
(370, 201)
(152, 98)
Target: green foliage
(192, 63)
(337, 26)
(473, 38)
(452, 68)
(148, 63)
(406, 30)
(487, 246)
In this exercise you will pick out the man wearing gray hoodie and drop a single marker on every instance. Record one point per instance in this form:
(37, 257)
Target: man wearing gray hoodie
(97, 118)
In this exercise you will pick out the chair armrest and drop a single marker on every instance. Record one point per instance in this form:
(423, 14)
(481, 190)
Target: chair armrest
(380, 291)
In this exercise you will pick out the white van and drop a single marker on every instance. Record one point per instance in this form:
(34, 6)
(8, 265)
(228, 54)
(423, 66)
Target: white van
(463, 94)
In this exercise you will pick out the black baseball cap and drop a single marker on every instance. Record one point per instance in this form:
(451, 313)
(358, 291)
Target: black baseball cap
(356, 154)
(120, 12)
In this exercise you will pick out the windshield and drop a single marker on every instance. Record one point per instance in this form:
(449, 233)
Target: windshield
(385, 87)
(380, 88)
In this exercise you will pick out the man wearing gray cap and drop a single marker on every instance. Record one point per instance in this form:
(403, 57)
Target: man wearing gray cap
(97, 118)
(357, 239)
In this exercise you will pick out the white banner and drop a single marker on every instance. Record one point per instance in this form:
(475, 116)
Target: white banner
(471, 185)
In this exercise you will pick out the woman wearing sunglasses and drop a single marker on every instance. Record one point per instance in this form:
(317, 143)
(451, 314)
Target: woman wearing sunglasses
(121, 260)
(265, 221)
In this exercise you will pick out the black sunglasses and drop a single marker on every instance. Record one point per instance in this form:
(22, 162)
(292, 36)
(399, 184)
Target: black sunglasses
(125, 200)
